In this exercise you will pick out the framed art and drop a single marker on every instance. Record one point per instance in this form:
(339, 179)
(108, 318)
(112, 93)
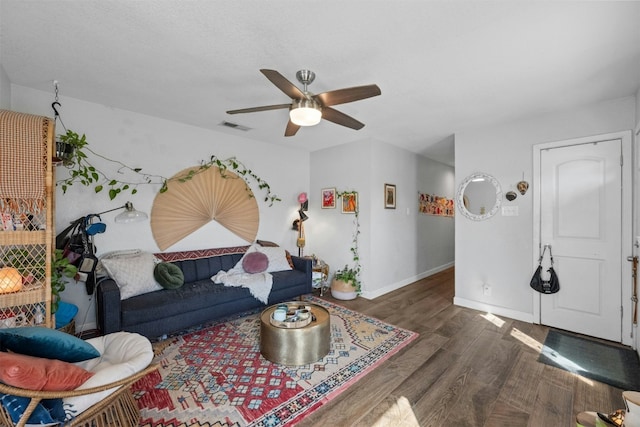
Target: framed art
(328, 198)
(349, 202)
(389, 196)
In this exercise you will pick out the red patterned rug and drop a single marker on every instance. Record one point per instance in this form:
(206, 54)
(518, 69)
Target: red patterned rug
(217, 377)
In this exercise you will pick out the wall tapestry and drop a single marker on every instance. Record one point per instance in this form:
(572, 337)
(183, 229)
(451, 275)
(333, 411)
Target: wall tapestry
(430, 204)
(210, 195)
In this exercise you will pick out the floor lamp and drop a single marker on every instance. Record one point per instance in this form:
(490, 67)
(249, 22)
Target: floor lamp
(304, 206)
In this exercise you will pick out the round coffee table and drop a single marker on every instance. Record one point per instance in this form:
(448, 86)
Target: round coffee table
(295, 346)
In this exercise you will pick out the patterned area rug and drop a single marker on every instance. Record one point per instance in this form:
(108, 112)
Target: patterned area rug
(217, 377)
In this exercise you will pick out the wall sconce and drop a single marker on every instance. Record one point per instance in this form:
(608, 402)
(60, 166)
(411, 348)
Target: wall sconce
(129, 215)
(304, 206)
(523, 185)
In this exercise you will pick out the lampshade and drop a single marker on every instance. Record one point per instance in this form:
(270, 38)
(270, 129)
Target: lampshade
(10, 280)
(130, 214)
(305, 112)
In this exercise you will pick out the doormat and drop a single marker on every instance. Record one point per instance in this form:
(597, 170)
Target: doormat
(216, 376)
(610, 364)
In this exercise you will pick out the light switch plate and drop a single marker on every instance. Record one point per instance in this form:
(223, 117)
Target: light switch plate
(510, 211)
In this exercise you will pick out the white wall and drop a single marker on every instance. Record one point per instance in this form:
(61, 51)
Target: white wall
(636, 175)
(499, 251)
(163, 147)
(397, 246)
(638, 109)
(5, 90)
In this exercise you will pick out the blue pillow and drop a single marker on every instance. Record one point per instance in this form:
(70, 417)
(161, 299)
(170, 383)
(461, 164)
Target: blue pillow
(48, 411)
(49, 343)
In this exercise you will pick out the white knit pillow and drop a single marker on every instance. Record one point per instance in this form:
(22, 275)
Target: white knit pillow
(133, 274)
(277, 258)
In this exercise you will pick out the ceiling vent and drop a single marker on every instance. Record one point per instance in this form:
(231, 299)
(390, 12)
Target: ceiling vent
(234, 126)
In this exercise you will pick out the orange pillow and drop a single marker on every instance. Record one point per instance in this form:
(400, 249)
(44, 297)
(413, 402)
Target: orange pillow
(35, 373)
(289, 260)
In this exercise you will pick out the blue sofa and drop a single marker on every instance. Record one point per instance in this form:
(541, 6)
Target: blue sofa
(199, 300)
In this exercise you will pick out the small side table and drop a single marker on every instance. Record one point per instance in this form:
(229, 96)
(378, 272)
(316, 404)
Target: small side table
(323, 282)
(296, 346)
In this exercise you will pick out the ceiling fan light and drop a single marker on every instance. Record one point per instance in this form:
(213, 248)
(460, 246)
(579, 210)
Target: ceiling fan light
(305, 112)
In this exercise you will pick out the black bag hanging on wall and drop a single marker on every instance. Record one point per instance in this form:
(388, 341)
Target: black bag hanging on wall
(550, 286)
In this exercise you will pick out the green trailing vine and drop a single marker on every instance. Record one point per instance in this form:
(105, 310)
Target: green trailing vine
(347, 273)
(82, 171)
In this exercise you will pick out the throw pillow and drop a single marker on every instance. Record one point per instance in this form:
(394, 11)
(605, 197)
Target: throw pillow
(255, 262)
(49, 343)
(36, 373)
(277, 258)
(48, 411)
(168, 275)
(289, 260)
(133, 274)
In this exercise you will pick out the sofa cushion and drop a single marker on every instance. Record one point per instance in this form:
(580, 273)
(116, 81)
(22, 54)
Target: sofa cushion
(48, 343)
(255, 262)
(122, 354)
(132, 273)
(203, 268)
(36, 373)
(203, 294)
(171, 302)
(168, 275)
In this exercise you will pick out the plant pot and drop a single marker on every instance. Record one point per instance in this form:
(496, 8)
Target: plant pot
(64, 152)
(343, 290)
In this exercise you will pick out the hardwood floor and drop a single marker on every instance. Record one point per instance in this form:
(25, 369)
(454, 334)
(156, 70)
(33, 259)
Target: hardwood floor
(466, 368)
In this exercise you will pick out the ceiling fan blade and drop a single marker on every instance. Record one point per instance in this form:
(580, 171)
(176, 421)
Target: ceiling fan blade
(339, 118)
(283, 84)
(342, 96)
(292, 128)
(255, 109)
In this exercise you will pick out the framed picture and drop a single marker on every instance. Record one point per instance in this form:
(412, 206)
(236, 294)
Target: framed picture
(389, 196)
(349, 202)
(328, 198)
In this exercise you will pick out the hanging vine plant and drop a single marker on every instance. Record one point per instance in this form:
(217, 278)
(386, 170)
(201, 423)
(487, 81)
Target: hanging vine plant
(73, 149)
(352, 273)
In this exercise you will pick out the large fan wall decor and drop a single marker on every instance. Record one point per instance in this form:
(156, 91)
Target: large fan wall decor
(207, 196)
(307, 109)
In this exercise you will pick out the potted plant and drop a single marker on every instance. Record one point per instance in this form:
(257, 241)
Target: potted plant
(346, 284)
(68, 145)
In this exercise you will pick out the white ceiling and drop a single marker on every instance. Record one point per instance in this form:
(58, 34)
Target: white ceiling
(442, 66)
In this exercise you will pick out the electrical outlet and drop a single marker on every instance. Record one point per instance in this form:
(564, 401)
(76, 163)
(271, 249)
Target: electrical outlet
(486, 290)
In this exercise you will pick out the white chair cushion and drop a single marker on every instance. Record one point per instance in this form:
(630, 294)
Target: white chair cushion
(122, 354)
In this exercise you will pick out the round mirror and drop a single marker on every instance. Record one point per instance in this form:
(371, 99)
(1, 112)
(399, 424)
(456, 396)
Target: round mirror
(479, 196)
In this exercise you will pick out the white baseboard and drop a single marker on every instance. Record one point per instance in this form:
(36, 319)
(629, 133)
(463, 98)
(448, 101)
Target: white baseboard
(394, 286)
(493, 309)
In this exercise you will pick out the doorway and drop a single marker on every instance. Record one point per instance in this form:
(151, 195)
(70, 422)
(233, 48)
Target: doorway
(583, 212)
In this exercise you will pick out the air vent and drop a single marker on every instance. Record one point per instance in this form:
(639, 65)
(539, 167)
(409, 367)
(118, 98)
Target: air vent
(234, 126)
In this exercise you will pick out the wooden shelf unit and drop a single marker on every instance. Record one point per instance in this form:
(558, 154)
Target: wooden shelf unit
(30, 251)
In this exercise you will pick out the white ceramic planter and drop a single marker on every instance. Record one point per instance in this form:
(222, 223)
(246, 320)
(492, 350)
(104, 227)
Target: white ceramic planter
(343, 290)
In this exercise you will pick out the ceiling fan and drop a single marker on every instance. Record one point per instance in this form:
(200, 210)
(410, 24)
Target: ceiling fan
(307, 109)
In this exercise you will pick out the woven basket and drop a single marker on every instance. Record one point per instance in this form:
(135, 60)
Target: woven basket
(69, 328)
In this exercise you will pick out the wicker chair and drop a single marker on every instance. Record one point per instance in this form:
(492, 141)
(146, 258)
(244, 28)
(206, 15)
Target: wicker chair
(105, 400)
(119, 409)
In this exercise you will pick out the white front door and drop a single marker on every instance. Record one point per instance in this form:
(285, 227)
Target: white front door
(581, 220)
